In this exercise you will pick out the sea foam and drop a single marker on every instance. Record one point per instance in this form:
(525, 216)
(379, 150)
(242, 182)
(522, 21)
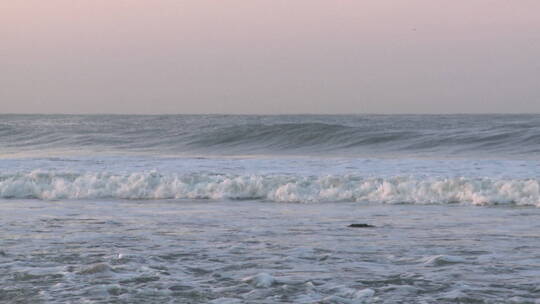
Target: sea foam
(53, 185)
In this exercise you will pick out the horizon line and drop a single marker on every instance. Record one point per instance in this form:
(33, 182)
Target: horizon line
(274, 114)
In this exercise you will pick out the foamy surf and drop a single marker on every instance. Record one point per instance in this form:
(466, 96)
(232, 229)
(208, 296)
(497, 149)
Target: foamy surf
(276, 188)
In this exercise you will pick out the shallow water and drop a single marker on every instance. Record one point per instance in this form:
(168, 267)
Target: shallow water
(255, 252)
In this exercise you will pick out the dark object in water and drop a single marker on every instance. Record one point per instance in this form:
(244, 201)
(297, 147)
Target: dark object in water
(361, 226)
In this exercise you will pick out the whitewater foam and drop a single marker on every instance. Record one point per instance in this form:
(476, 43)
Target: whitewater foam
(277, 188)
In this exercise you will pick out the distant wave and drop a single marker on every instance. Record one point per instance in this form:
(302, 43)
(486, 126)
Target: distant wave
(335, 137)
(52, 185)
(434, 135)
(298, 136)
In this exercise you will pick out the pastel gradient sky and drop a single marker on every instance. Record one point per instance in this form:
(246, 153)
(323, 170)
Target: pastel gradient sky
(269, 56)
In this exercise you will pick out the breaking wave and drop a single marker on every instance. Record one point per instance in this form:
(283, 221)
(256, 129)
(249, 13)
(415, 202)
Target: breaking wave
(277, 188)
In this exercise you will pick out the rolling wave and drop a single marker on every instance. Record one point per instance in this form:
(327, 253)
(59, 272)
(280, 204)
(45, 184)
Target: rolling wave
(51, 185)
(434, 135)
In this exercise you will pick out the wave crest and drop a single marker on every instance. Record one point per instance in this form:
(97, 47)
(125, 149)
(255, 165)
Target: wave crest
(277, 188)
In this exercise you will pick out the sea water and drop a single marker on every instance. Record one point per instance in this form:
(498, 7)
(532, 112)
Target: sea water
(256, 209)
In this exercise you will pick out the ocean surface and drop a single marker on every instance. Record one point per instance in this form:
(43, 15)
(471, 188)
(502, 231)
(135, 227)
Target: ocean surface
(256, 209)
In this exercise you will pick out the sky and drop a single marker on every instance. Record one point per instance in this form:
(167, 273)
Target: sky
(269, 56)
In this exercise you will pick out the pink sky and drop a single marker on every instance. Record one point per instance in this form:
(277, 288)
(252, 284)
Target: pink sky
(271, 56)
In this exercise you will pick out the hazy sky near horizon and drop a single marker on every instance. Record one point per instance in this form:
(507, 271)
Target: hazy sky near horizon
(269, 56)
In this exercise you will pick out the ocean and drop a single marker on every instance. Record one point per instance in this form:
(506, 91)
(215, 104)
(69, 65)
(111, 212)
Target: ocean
(256, 209)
